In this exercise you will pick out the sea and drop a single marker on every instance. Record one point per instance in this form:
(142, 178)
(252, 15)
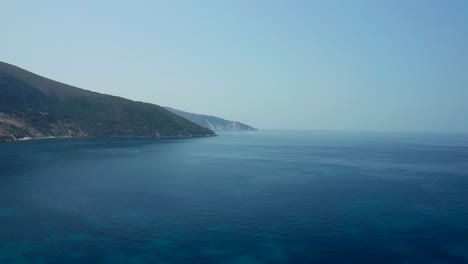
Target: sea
(238, 198)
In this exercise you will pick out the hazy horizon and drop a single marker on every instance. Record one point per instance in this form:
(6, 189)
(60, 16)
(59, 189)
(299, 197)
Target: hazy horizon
(326, 65)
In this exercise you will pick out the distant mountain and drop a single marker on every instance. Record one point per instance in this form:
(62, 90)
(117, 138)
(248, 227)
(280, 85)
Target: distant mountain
(34, 106)
(212, 122)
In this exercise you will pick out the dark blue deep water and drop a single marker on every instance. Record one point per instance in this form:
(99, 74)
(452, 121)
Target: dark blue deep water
(240, 198)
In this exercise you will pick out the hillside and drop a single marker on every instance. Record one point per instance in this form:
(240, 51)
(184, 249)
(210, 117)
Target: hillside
(34, 106)
(213, 122)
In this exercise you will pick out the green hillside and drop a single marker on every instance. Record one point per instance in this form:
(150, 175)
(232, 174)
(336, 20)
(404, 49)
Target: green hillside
(34, 106)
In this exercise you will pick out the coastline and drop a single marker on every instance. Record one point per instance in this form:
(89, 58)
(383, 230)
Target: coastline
(26, 139)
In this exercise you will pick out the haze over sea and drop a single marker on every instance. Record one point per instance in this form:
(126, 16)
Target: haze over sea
(253, 197)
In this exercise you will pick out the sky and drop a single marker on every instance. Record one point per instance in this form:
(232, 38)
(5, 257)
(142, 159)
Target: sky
(310, 65)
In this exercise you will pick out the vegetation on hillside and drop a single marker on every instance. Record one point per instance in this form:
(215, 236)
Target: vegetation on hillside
(31, 105)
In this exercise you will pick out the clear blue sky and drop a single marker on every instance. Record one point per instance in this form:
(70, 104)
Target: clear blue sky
(325, 65)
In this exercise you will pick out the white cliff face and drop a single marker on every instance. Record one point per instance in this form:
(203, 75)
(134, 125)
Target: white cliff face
(229, 126)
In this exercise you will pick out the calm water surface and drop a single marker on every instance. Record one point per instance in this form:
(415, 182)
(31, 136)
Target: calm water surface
(240, 198)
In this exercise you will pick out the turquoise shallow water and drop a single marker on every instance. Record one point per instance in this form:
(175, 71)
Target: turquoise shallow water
(254, 197)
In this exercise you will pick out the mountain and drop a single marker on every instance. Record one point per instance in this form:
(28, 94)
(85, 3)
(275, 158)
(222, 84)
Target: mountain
(212, 122)
(34, 106)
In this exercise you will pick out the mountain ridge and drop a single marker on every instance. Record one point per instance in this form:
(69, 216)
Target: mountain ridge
(35, 106)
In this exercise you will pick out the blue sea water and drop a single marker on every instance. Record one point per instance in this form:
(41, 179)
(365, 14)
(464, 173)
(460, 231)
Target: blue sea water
(240, 198)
